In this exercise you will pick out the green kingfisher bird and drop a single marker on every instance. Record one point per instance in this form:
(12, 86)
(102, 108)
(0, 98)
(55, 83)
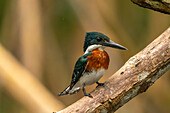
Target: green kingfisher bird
(92, 65)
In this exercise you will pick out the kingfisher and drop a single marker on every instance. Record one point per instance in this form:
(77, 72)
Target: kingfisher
(92, 65)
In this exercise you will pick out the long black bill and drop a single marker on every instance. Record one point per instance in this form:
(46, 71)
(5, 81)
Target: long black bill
(114, 45)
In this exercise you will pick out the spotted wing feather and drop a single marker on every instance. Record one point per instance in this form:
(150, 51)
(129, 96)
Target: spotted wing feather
(77, 73)
(79, 68)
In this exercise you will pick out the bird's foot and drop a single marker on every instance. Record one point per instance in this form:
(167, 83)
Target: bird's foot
(89, 95)
(99, 84)
(84, 91)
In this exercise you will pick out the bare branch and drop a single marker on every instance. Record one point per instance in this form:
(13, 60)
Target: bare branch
(157, 5)
(135, 77)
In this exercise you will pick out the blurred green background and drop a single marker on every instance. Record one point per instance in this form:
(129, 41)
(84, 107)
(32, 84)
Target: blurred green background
(47, 37)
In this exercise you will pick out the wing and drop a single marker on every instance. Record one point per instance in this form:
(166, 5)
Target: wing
(79, 68)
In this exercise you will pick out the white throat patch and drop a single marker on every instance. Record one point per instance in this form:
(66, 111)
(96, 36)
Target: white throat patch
(92, 47)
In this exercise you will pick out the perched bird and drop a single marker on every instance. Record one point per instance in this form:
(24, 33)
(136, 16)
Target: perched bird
(91, 66)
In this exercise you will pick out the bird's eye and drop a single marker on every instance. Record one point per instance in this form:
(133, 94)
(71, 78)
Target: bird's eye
(99, 39)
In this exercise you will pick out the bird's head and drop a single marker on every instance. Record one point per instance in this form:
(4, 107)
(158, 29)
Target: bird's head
(96, 40)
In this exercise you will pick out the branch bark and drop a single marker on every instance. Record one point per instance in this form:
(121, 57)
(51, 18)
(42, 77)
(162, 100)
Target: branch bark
(135, 77)
(157, 5)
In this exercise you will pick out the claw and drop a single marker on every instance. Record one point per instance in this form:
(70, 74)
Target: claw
(99, 84)
(89, 95)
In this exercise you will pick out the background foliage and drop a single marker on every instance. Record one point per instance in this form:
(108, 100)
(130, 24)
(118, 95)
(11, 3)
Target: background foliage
(47, 38)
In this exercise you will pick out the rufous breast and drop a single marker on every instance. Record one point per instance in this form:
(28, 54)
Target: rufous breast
(98, 60)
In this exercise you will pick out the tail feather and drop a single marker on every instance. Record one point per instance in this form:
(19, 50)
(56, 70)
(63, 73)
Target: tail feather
(69, 91)
(65, 92)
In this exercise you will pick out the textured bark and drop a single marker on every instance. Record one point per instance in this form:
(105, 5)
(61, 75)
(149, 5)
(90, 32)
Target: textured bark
(157, 5)
(135, 77)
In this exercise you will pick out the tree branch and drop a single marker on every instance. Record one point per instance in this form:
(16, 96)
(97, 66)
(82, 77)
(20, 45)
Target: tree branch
(135, 77)
(157, 5)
